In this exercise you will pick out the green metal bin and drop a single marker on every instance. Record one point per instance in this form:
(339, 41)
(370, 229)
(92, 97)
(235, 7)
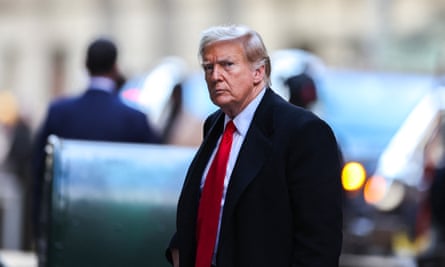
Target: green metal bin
(111, 204)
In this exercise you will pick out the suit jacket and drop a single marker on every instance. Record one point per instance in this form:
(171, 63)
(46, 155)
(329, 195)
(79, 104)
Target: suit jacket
(283, 203)
(94, 115)
(97, 115)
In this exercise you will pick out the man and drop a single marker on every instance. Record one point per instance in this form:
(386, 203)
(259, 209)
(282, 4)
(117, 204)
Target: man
(97, 114)
(280, 204)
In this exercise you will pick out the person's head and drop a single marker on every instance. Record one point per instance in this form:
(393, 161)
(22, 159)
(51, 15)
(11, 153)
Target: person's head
(101, 57)
(236, 66)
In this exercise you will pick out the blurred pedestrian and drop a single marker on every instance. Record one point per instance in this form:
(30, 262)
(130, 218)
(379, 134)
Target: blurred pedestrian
(18, 153)
(302, 88)
(267, 191)
(17, 160)
(97, 114)
(437, 198)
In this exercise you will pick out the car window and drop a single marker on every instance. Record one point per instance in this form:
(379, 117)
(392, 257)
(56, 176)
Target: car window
(366, 109)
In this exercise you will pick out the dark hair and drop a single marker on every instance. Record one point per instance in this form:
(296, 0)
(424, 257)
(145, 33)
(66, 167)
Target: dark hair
(101, 56)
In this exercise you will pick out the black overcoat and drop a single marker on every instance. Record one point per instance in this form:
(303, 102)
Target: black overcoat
(283, 202)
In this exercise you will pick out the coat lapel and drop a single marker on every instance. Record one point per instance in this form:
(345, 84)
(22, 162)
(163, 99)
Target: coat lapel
(252, 156)
(199, 163)
(254, 152)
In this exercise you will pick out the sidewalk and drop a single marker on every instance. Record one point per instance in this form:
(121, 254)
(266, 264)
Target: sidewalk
(375, 261)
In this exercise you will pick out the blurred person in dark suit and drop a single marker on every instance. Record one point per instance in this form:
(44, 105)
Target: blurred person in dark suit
(17, 159)
(19, 153)
(13, 123)
(97, 114)
(264, 186)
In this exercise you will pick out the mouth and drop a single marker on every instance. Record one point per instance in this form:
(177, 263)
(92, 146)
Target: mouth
(218, 91)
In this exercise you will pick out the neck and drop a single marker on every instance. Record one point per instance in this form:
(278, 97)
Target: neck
(232, 112)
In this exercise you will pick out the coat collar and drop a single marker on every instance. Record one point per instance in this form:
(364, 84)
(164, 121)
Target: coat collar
(254, 151)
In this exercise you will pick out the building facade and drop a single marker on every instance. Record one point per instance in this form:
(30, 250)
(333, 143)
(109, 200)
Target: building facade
(43, 42)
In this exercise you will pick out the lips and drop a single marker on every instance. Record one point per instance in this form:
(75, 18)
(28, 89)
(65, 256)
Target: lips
(218, 90)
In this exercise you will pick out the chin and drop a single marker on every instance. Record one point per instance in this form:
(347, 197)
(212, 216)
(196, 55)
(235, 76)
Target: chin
(221, 100)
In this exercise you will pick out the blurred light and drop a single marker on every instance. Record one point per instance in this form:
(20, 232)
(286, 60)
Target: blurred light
(383, 194)
(353, 176)
(393, 196)
(131, 94)
(375, 189)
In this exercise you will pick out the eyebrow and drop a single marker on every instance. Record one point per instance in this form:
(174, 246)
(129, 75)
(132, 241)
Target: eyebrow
(227, 59)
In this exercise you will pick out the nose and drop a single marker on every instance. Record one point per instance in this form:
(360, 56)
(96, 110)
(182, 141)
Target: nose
(216, 73)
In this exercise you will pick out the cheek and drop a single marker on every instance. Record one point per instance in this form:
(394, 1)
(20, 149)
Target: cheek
(235, 80)
(242, 82)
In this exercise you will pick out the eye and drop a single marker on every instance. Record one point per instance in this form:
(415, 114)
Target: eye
(207, 67)
(227, 64)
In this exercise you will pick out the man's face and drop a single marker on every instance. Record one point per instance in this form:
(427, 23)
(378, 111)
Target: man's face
(231, 80)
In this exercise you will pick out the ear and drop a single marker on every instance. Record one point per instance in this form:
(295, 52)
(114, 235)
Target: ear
(258, 74)
(114, 72)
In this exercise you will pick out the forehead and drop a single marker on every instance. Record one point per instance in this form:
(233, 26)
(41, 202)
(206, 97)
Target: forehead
(232, 49)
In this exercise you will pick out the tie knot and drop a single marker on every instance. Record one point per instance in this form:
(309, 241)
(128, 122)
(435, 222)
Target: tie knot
(230, 128)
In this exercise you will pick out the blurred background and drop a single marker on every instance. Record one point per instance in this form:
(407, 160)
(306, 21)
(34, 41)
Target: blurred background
(43, 45)
(43, 42)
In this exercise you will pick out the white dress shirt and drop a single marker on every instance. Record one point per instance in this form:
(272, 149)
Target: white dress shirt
(242, 123)
(102, 83)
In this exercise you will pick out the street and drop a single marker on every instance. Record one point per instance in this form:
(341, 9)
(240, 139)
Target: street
(28, 259)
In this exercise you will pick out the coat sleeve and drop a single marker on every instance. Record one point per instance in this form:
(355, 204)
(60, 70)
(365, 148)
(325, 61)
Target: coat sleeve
(174, 242)
(172, 245)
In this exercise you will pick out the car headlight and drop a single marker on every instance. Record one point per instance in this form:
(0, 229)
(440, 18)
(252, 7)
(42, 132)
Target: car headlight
(353, 176)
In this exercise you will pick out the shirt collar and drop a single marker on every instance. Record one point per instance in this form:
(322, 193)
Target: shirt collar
(242, 121)
(102, 83)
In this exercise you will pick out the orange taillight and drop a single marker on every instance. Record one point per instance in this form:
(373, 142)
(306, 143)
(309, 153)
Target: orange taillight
(375, 189)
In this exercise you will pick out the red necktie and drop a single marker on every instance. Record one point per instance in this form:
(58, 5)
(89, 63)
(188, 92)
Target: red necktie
(210, 203)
